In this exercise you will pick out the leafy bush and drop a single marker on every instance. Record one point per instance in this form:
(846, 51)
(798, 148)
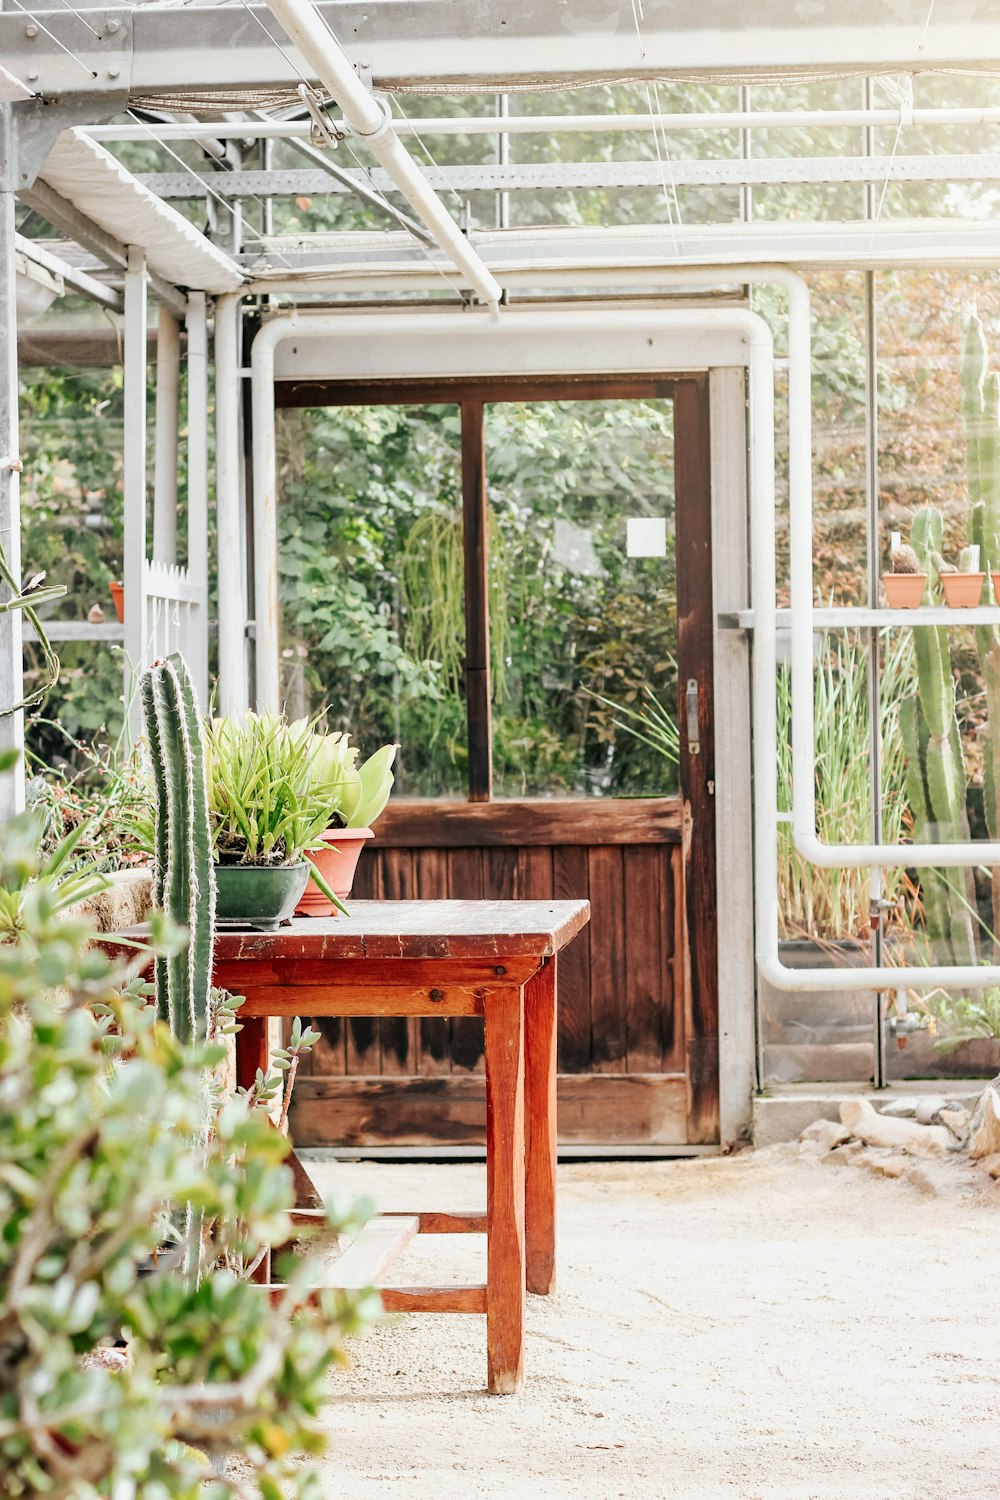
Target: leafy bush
(112, 1381)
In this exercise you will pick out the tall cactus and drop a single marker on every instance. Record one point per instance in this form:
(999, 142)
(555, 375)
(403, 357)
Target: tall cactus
(981, 412)
(935, 767)
(184, 874)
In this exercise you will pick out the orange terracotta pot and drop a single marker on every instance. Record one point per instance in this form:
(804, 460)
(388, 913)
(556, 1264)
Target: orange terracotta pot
(996, 586)
(118, 595)
(963, 590)
(904, 590)
(337, 864)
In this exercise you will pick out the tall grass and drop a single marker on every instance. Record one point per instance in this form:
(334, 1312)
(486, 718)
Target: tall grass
(831, 905)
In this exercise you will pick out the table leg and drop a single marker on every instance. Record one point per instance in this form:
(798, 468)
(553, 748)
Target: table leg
(540, 1128)
(251, 1050)
(505, 1275)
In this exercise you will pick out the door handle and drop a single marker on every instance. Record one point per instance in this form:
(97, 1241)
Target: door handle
(693, 733)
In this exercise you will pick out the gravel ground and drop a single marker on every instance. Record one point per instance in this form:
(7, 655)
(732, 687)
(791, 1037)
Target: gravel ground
(762, 1327)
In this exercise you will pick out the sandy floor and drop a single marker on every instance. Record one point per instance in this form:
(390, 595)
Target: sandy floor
(759, 1327)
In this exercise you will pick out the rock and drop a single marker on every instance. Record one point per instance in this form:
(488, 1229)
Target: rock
(926, 1111)
(899, 1109)
(826, 1133)
(991, 1163)
(984, 1128)
(956, 1119)
(125, 903)
(888, 1166)
(843, 1156)
(901, 1135)
(95, 615)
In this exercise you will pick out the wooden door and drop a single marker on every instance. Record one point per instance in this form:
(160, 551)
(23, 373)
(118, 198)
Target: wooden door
(638, 1030)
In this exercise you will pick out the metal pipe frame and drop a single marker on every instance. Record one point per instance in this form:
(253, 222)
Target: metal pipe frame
(165, 429)
(134, 487)
(197, 479)
(233, 693)
(372, 123)
(787, 119)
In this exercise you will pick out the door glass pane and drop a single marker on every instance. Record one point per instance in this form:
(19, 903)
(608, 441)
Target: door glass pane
(370, 536)
(584, 635)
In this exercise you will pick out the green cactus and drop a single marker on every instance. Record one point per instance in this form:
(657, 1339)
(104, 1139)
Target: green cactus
(981, 413)
(184, 873)
(935, 767)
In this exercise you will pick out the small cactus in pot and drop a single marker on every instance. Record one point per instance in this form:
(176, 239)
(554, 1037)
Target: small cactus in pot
(904, 586)
(963, 587)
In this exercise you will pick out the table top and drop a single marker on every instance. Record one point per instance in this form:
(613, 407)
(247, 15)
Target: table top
(418, 929)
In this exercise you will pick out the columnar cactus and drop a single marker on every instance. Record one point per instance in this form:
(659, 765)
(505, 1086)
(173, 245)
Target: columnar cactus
(935, 768)
(184, 875)
(981, 411)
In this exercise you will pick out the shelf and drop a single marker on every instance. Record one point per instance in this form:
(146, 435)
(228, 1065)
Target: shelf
(853, 618)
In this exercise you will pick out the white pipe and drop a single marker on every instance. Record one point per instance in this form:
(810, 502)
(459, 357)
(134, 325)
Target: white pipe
(786, 119)
(232, 685)
(371, 123)
(197, 483)
(134, 487)
(168, 370)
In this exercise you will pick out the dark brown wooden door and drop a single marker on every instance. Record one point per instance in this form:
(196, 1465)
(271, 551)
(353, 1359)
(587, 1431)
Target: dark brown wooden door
(638, 1005)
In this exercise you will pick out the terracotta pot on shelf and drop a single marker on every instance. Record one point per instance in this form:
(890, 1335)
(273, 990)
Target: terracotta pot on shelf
(962, 590)
(118, 595)
(904, 590)
(337, 864)
(996, 586)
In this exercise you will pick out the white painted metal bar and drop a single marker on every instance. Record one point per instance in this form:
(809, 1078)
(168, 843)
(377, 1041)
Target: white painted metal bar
(11, 658)
(373, 125)
(196, 643)
(168, 370)
(134, 487)
(858, 617)
(775, 119)
(232, 684)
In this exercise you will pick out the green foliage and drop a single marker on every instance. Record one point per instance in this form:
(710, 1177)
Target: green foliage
(360, 793)
(114, 1381)
(963, 1019)
(833, 904)
(266, 805)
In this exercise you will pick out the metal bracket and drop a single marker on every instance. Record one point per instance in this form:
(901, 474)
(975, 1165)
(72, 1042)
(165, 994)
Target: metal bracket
(693, 732)
(322, 131)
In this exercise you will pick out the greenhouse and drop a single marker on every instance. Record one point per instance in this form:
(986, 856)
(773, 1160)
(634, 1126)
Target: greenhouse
(582, 423)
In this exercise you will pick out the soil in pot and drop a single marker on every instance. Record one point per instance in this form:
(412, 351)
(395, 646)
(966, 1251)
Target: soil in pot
(904, 590)
(962, 590)
(260, 897)
(337, 864)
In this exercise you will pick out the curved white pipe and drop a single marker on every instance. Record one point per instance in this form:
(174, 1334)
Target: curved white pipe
(372, 123)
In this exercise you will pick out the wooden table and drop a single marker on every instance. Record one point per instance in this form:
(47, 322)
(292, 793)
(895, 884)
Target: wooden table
(495, 959)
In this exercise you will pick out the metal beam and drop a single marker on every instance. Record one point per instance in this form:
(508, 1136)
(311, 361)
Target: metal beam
(500, 47)
(73, 277)
(62, 215)
(558, 176)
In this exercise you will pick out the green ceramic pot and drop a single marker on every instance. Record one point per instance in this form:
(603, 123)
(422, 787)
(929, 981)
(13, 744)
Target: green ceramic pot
(258, 896)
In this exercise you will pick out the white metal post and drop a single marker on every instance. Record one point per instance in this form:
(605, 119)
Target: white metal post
(134, 485)
(233, 697)
(168, 369)
(11, 664)
(196, 646)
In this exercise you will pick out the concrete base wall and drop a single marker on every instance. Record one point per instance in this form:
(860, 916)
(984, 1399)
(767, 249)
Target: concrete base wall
(783, 1115)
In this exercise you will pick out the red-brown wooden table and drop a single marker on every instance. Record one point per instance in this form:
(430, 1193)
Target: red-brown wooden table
(495, 959)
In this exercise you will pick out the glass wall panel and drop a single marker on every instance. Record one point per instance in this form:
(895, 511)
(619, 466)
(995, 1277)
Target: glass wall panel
(585, 636)
(372, 589)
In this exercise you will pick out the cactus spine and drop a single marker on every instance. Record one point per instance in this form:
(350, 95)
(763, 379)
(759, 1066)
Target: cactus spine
(935, 768)
(184, 874)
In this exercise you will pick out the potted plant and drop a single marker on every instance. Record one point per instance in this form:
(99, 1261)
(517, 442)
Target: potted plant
(268, 806)
(904, 585)
(964, 589)
(360, 793)
(118, 598)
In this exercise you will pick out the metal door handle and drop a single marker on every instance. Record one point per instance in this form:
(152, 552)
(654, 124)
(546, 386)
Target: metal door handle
(693, 734)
